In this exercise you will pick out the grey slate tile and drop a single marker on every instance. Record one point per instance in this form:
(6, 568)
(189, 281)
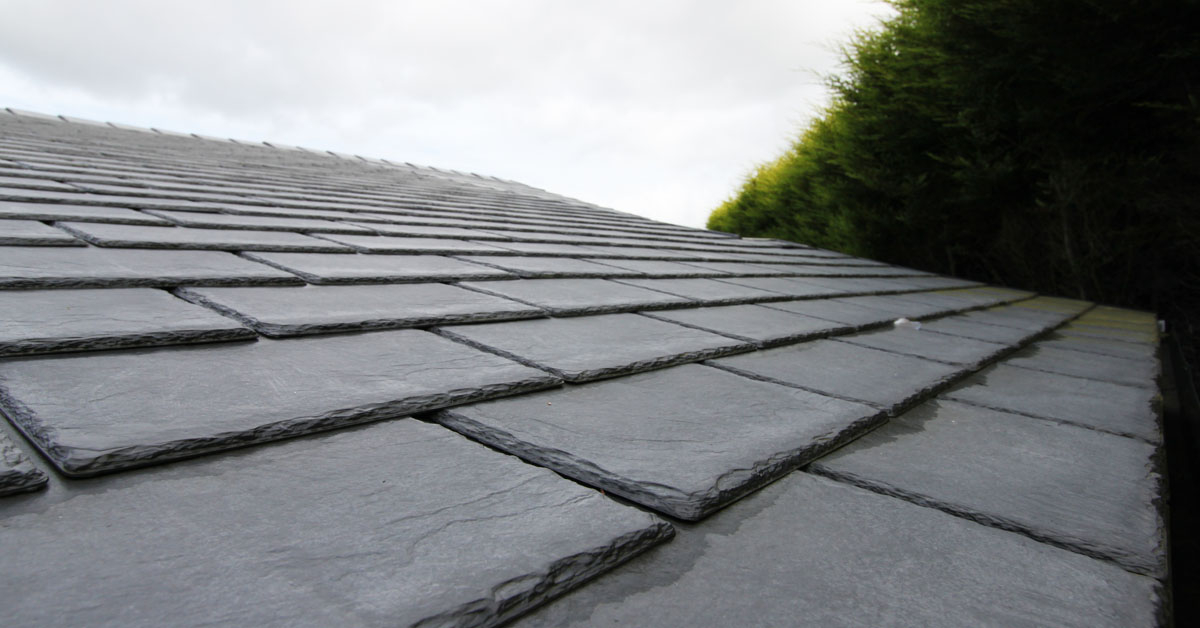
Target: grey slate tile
(79, 213)
(763, 326)
(1124, 410)
(920, 343)
(575, 297)
(661, 268)
(967, 326)
(46, 321)
(136, 236)
(1107, 332)
(545, 248)
(707, 291)
(550, 267)
(104, 412)
(1102, 346)
(790, 288)
(17, 473)
(633, 252)
(1087, 491)
(1142, 373)
(431, 231)
(848, 310)
(321, 309)
(360, 527)
(432, 246)
(34, 233)
(31, 267)
(847, 371)
(263, 223)
(348, 269)
(595, 347)
(684, 441)
(810, 551)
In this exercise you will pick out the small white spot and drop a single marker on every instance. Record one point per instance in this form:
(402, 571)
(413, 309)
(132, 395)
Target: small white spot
(905, 323)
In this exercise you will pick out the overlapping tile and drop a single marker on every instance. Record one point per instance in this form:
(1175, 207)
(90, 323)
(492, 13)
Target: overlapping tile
(808, 550)
(34, 233)
(1131, 372)
(923, 344)
(45, 321)
(350, 269)
(17, 473)
(262, 223)
(399, 523)
(708, 291)
(321, 309)
(595, 347)
(431, 246)
(684, 441)
(578, 297)
(137, 236)
(1081, 489)
(550, 267)
(78, 213)
(763, 326)
(847, 371)
(32, 267)
(108, 411)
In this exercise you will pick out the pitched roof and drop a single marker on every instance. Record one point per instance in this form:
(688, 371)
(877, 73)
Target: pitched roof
(251, 384)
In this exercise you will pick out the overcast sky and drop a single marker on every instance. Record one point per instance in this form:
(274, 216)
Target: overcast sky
(657, 107)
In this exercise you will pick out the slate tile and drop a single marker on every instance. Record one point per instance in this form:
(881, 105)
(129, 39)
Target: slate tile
(350, 269)
(432, 246)
(738, 269)
(321, 309)
(763, 326)
(78, 213)
(134, 236)
(367, 526)
(661, 269)
(1124, 410)
(846, 371)
(1038, 357)
(550, 267)
(17, 473)
(431, 231)
(966, 326)
(109, 411)
(847, 310)
(847, 286)
(632, 252)
(34, 233)
(595, 347)
(46, 321)
(543, 248)
(32, 267)
(684, 441)
(807, 550)
(1102, 346)
(707, 291)
(262, 223)
(922, 344)
(1087, 491)
(1106, 332)
(578, 297)
(790, 288)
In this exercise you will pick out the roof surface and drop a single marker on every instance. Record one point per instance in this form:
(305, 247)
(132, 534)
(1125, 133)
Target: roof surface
(249, 384)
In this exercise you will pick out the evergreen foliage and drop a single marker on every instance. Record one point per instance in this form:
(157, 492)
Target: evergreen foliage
(1053, 146)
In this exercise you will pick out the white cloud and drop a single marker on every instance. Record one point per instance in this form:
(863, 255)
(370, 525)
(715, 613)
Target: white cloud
(656, 108)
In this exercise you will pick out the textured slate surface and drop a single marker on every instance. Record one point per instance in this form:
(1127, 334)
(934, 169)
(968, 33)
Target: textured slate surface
(846, 371)
(664, 269)
(920, 343)
(576, 297)
(1091, 492)
(320, 309)
(32, 267)
(550, 267)
(1115, 408)
(963, 326)
(136, 236)
(848, 310)
(595, 347)
(34, 233)
(1040, 357)
(791, 288)
(264, 223)
(17, 473)
(80, 213)
(708, 291)
(763, 326)
(339, 269)
(811, 551)
(42, 321)
(1101, 346)
(392, 244)
(379, 531)
(714, 438)
(104, 412)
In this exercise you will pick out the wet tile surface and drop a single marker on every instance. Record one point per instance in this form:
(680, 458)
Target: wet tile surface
(321, 309)
(595, 347)
(44, 321)
(846, 371)
(105, 412)
(714, 438)
(32, 267)
(1088, 491)
(382, 511)
(810, 550)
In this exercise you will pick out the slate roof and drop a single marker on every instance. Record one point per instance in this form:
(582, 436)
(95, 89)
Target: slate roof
(249, 384)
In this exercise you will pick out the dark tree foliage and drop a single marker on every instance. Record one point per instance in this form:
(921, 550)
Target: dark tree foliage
(1048, 145)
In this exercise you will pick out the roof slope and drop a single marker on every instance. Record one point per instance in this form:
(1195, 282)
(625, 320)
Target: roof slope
(252, 384)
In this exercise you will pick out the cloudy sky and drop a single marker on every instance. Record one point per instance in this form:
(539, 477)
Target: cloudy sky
(659, 107)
